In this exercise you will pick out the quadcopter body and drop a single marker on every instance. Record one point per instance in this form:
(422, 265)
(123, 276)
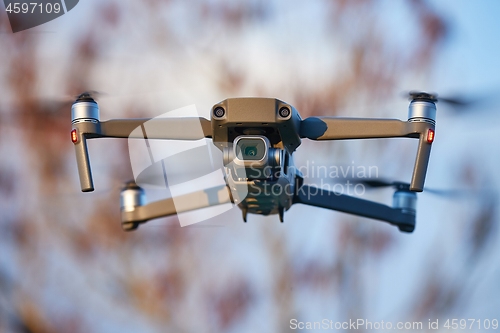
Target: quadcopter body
(257, 137)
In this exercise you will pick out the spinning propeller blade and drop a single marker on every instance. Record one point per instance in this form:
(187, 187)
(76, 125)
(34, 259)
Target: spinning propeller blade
(380, 183)
(457, 102)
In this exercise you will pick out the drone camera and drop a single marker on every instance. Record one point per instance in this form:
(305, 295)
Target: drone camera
(248, 151)
(252, 157)
(251, 149)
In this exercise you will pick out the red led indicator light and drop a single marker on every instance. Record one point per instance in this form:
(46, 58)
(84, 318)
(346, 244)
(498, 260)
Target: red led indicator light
(430, 136)
(74, 137)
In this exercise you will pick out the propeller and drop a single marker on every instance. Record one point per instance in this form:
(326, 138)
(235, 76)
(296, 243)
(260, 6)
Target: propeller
(89, 95)
(377, 183)
(402, 186)
(43, 106)
(36, 113)
(65, 100)
(457, 102)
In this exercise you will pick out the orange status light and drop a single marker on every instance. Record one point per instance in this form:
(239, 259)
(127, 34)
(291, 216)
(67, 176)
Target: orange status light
(430, 135)
(74, 137)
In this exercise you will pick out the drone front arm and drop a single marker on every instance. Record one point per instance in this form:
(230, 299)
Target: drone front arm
(330, 128)
(317, 197)
(195, 128)
(83, 161)
(333, 128)
(201, 199)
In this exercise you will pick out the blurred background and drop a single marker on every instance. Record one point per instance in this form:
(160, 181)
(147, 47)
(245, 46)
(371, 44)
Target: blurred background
(67, 266)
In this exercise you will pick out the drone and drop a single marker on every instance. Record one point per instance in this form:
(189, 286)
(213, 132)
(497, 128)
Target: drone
(257, 137)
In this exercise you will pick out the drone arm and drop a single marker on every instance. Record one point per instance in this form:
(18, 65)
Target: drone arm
(79, 135)
(317, 197)
(421, 162)
(170, 206)
(330, 128)
(83, 162)
(333, 128)
(157, 128)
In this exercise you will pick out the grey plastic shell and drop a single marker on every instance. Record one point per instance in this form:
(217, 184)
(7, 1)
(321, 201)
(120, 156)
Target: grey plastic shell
(256, 116)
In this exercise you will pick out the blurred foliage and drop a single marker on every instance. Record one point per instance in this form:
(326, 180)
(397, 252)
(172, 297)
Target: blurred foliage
(68, 265)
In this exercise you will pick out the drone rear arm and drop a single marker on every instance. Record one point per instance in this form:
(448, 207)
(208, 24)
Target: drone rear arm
(132, 216)
(329, 128)
(317, 197)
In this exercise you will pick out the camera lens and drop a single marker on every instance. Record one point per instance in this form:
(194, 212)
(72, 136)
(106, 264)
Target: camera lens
(251, 149)
(219, 112)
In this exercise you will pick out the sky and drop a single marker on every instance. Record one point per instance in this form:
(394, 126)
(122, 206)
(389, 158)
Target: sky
(471, 59)
(140, 69)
